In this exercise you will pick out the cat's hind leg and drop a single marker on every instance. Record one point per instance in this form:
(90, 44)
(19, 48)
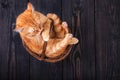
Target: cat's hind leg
(56, 48)
(61, 28)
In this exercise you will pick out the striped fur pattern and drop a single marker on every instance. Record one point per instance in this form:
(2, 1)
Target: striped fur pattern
(35, 28)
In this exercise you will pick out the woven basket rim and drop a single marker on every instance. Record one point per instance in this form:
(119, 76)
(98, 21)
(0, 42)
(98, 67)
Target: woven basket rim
(47, 59)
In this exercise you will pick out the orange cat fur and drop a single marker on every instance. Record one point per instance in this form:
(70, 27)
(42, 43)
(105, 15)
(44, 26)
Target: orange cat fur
(34, 29)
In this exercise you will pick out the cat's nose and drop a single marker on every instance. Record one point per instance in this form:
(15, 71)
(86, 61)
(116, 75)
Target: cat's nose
(14, 32)
(13, 27)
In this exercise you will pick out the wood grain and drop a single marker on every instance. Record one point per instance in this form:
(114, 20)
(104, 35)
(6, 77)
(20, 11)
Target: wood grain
(80, 65)
(107, 18)
(21, 55)
(96, 23)
(5, 36)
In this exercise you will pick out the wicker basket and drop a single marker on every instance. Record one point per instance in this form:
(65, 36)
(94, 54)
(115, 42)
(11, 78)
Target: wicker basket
(47, 59)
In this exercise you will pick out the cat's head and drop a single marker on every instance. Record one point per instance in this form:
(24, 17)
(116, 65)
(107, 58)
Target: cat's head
(31, 22)
(29, 29)
(25, 20)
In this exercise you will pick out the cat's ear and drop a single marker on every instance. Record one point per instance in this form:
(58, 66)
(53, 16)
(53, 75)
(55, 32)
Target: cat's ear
(18, 29)
(30, 7)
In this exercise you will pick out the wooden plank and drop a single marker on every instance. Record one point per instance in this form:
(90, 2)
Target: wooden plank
(68, 68)
(40, 70)
(107, 18)
(80, 65)
(22, 57)
(96, 27)
(5, 38)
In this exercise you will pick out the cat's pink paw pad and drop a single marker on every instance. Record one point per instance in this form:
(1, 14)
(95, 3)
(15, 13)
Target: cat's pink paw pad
(68, 36)
(64, 24)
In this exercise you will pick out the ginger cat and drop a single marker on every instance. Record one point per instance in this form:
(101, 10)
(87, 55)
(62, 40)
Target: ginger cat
(35, 28)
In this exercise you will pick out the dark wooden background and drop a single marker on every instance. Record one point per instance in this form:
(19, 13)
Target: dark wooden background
(97, 56)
